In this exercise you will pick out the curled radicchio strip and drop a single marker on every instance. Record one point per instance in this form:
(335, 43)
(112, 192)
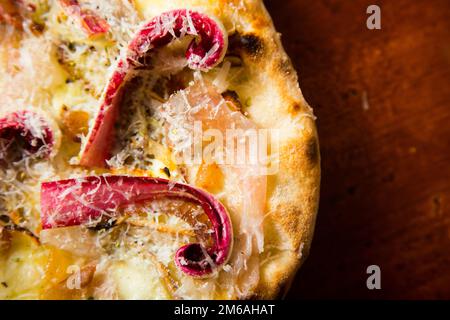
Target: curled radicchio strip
(84, 200)
(29, 128)
(91, 23)
(204, 52)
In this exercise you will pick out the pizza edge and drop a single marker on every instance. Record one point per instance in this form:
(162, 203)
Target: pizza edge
(294, 209)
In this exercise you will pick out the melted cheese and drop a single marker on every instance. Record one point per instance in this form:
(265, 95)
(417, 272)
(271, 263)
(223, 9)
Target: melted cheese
(23, 269)
(136, 278)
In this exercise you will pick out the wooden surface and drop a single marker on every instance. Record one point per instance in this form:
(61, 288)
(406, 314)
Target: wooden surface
(385, 159)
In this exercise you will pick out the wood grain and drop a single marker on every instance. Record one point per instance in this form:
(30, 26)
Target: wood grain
(382, 98)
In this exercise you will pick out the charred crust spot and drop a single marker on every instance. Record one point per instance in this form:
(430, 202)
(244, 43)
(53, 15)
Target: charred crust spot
(248, 44)
(252, 44)
(312, 151)
(295, 108)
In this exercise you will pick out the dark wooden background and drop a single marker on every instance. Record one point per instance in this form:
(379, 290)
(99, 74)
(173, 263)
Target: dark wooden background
(386, 163)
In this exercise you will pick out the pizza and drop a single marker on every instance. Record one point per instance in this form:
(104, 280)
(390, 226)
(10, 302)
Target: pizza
(151, 149)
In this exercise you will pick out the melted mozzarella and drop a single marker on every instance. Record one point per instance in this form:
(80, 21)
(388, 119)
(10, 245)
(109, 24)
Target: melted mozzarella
(137, 279)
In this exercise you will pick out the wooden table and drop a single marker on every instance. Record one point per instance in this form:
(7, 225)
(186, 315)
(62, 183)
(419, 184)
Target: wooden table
(382, 98)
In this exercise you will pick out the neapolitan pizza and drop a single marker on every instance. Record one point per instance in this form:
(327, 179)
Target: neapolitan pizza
(151, 149)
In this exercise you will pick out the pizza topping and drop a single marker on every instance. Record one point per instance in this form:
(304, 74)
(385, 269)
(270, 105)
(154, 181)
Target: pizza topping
(233, 98)
(28, 130)
(210, 177)
(203, 53)
(23, 15)
(7, 226)
(75, 123)
(202, 103)
(10, 14)
(8, 229)
(90, 22)
(27, 141)
(5, 239)
(90, 200)
(77, 240)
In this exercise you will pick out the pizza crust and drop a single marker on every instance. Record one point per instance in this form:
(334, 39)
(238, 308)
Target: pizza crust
(293, 192)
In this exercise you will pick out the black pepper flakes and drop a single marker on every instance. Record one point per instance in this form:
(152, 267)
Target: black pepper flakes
(167, 171)
(71, 46)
